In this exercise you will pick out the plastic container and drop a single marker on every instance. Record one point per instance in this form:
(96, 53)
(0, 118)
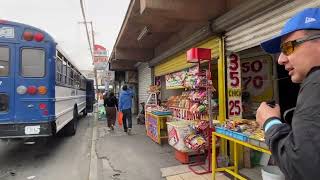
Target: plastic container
(233, 134)
(272, 173)
(177, 132)
(220, 130)
(239, 136)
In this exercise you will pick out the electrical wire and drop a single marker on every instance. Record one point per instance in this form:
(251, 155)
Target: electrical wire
(86, 26)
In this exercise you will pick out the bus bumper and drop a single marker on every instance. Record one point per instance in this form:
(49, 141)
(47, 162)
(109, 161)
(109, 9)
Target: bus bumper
(26, 130)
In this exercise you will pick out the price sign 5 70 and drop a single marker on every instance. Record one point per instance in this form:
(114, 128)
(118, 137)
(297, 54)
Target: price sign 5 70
(253, 74)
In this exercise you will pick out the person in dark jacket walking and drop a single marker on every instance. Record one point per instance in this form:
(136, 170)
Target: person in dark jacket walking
(111, 105)
(296, 147)
(125, 104)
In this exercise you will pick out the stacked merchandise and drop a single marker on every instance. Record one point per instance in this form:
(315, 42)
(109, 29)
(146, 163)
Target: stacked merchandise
(190, 105)
(245, 130)
(193, 103)
(188, 136)
(152, 104)
(158, 110)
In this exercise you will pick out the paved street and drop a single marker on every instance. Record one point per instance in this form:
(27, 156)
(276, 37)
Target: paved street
(64, 158)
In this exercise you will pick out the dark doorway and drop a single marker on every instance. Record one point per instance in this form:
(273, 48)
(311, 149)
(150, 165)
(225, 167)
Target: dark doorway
(288, 91)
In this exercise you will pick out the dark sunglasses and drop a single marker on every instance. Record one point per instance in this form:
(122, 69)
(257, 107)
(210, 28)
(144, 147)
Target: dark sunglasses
(288, 48)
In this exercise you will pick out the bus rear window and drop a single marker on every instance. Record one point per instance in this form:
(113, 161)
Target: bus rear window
(33, 63)
(4, 103)
(4, 61)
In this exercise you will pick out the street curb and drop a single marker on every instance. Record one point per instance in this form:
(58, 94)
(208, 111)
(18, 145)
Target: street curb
(93, 167)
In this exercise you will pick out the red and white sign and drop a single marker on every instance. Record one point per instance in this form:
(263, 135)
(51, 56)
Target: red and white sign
(100, 54)
(256, 77)
(234, 87)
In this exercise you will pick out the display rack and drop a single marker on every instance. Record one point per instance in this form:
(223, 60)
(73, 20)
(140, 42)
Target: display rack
(198, 56)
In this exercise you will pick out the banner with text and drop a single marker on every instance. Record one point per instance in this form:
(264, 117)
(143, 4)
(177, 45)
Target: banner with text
(234, 87)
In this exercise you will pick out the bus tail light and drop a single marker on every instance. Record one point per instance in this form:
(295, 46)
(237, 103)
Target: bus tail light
(45, 112)
(38, 37)
(28, 36)
(32, 90)
(21, 90)
(42, 90)
(42, 106)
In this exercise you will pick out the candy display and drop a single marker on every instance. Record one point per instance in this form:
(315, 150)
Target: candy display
(195, 142)
(158, 110)
(250, 128)
(176, 79)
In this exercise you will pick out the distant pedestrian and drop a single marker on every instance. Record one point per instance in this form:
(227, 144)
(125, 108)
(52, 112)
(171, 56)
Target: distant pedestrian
(125, 104)
(111, 105)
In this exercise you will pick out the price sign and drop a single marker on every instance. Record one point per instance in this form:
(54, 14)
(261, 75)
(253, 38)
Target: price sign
(234, 86)
(257, 77)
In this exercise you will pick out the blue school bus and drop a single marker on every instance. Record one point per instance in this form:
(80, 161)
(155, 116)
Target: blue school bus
(42, 92)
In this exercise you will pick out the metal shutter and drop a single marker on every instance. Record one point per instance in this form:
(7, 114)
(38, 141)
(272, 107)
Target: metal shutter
(144, 77)
(263, 26)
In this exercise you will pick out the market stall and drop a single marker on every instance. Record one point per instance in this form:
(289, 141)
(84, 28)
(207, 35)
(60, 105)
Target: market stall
(248, 82)
(191, 98)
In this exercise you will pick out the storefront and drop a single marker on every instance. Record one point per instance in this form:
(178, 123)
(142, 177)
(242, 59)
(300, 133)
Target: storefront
(184, 100)
(252, 76)
(167, 73)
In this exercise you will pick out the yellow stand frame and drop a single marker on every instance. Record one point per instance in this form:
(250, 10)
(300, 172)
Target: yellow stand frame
(159, 127)
(233, 170)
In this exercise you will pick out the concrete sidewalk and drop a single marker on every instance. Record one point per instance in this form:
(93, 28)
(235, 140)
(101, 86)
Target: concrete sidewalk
(135, 157)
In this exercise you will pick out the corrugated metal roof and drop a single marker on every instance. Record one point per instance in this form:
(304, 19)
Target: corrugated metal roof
(264, 27)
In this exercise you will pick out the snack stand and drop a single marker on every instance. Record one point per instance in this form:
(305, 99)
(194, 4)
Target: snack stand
(235, 130)
(156, 118)
(192, 110)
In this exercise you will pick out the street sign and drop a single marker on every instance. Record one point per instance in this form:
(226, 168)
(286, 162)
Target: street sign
(100, 54)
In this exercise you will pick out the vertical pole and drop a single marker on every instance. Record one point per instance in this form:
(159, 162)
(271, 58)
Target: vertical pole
(214, 160)
(94, 69)
(236, 158)
(222, 90)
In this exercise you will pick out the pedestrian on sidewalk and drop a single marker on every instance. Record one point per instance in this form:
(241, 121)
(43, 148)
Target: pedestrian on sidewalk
(125, 104)
(296, 146)
(111, 105)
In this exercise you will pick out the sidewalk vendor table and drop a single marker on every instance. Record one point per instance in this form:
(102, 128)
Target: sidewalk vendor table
(233, 170)
(156, 127)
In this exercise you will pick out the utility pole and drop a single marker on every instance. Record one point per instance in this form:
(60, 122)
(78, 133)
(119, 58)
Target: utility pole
(92, 53)
(85, 22)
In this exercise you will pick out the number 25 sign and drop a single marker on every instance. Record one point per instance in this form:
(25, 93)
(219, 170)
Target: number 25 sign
(234, 86)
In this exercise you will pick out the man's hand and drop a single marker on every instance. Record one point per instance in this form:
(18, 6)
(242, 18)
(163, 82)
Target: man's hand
(265, 112)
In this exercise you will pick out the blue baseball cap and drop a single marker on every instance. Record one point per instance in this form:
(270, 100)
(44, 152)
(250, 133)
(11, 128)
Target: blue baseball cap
(306, 19)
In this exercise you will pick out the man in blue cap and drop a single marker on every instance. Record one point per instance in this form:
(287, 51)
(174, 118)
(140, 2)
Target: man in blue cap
(296, 147)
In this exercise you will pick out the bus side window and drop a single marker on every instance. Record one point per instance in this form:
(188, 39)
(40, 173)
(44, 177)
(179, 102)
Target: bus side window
(4, 61)
(58, 71)
(64, 76)
(77, 80)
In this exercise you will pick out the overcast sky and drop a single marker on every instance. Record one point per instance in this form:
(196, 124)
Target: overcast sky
(60, 19)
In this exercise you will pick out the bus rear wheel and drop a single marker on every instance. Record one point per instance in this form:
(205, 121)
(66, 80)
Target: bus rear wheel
(71, 127)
